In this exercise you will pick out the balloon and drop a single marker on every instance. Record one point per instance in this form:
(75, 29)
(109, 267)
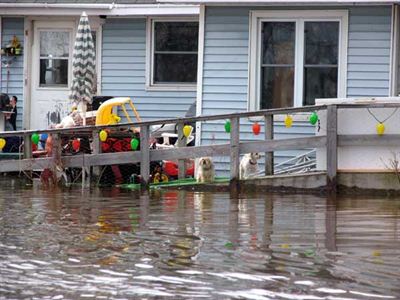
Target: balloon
(256, 128)
(43, 137)
(187, 130)
(134, 144)
(313, 118)
(103, 135)
(2, 143)
(35, 138)
(380, 128)
(76, 144)
(288, 121)
(228, 126)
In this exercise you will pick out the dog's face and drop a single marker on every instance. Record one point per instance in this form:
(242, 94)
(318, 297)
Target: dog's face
(254, 157)
(205, 163)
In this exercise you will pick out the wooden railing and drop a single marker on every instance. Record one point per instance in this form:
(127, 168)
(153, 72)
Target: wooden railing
(233, 149)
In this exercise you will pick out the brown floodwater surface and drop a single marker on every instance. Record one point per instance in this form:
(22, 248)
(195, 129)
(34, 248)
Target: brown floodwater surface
(118, 244)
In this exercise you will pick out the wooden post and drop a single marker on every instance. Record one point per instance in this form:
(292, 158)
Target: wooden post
(145, 155)
(181, 143)
(331, 147)
(27, 146)
(269, 135)
(235, 154)
(96, 149)
(56, 154)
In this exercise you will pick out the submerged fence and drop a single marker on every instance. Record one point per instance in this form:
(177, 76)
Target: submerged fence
(95, 158)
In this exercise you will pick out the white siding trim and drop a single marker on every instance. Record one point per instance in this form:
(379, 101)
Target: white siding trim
(1, 43)
(298, 16)
(26, 90)
(150, 85)
(200, 65)
(99, 43)
(394, 52)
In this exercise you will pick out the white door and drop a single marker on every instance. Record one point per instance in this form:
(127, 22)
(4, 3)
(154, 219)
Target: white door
(51, 72)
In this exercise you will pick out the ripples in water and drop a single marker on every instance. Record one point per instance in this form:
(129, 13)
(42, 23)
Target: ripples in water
(114, 244)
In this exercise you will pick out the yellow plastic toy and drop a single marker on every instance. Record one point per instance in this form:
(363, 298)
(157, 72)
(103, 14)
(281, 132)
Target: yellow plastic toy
(106, 116)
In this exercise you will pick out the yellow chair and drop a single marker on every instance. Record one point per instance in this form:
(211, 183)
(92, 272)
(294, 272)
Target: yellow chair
(105, 115)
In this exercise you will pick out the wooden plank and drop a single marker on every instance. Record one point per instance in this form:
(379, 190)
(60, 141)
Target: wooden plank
(27, 146)
(284, 144)
(331, 147)
(96, 149)
(386, 140)
(145, 155)
(181, 143)
(234, 151)
(269, 136)
(56, 154)
(190, 152)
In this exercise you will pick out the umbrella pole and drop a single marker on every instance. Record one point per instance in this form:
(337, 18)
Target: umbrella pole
(84, 108)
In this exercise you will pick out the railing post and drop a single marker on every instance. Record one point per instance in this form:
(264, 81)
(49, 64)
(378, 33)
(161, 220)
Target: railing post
(235, 153)
(269, 135)
(56, 154)
(181, 143)
(331, 147)
(27, 146)
(96, 149)
(145, 155)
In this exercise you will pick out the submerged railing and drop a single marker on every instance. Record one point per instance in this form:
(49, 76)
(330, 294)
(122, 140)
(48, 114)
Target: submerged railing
(233, 149)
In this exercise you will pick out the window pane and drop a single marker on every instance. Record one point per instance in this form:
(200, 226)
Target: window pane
(278, 42)
(277, 87)
(175, 68)
(319, 83)
(176, 36)
(322, 39)
(54, 43)
(53, 72)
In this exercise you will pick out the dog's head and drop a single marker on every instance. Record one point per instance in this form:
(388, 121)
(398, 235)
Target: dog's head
(205, 163)
(254, 156)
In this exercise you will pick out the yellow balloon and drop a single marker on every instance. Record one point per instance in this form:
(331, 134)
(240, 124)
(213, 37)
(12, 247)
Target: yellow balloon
(380, 128)
(288, 121)
(2, 143)
(187, 130)
(103, 135)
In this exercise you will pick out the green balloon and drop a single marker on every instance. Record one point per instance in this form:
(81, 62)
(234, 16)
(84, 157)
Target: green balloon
(313, 118)
(134, 143)
(35, 138)
(228, 126)
(229, 245)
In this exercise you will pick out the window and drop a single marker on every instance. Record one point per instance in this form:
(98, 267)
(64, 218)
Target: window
(297, 57)
(173, 58)
(54, 58)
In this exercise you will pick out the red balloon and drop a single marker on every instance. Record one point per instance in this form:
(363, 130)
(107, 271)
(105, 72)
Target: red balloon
(76, 145)
(256, 128)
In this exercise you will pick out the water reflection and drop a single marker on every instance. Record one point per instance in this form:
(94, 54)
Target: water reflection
(121, 244)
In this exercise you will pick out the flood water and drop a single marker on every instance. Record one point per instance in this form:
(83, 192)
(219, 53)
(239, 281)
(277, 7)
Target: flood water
(116, 244)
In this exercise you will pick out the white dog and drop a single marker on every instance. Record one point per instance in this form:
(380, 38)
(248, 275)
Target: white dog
(205, 170)
(249, 165)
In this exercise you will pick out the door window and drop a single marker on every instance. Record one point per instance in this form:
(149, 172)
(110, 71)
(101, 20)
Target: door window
(54, 58)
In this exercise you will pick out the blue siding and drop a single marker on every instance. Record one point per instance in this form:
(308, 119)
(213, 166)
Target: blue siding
(123, 71)
(11, 27)
(225, 73)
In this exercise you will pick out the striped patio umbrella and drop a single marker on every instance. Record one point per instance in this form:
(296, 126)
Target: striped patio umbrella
(83, 66)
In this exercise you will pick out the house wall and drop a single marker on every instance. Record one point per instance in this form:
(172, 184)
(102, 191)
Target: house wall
(225, 73)
(9, 28)
(123, 71)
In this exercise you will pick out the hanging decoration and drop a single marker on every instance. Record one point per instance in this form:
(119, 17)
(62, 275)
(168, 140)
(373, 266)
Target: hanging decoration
(228, 126)
(256, 128)
(35, 138)
(288, 121)
(43, 137)
(76, 144)
(313, 118)
(380, 127)
(2, 143)
(134, 144)
(103, 135)
(187, 130)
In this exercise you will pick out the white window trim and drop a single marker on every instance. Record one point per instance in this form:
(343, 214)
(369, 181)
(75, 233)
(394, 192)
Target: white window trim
(298, 16)
(150, 85)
